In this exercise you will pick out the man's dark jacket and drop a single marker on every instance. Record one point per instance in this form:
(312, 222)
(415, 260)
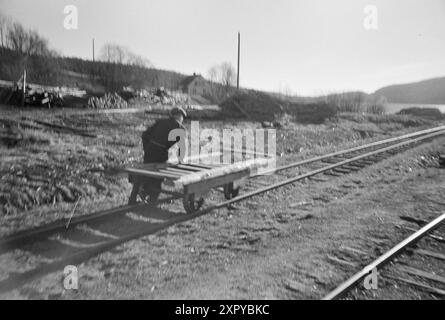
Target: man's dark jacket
(155, 140)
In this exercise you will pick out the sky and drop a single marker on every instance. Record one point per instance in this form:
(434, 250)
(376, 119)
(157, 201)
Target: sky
(304, 47)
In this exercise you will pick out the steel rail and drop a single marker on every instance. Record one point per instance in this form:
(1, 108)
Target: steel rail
(43, 231)
(61, 225)
(362, 147)
(78, 257)
(321, 170)
(341, 290)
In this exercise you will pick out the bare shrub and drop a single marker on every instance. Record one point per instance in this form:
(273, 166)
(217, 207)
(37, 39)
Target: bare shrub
(222, 81)
(357, 102)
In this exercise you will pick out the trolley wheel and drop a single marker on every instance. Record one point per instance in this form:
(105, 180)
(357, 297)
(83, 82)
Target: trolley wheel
(139, 193)
(230, 191)
(442, 160)
(190, 204)
(134, 193)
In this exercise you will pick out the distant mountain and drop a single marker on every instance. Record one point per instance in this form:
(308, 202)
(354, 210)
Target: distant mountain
(431, 91)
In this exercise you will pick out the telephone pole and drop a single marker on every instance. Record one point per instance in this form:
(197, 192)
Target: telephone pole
(24, 88)
(93, 49)
(237, 74)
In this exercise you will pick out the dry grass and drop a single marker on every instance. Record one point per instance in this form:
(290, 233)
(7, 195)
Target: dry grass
(357, 102)
(41, 167)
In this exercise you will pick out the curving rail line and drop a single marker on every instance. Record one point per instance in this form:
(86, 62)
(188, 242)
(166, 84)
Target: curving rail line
(359, 156)
(387, 257)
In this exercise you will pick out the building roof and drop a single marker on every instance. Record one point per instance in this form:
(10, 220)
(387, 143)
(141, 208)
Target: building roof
(188, 80)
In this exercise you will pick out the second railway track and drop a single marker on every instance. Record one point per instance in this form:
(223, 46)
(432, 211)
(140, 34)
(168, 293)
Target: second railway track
(81, 239)
(407, 246)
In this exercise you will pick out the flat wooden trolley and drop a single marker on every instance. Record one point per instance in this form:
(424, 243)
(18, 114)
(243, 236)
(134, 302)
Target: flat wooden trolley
(192, 181)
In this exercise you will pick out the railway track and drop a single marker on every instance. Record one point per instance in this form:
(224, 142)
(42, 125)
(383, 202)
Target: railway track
(84, 237)
(414, 246)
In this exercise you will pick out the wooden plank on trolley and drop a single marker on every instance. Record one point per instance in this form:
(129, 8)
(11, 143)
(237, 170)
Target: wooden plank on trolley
(180, 171)
(150, 166)
(245, 168)
(148, 173)
(190, 169)
(168, 172)
(203, 166)
(202, 187)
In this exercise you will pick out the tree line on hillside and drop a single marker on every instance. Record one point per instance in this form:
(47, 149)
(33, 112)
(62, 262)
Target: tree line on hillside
(95, 76)
(22, 48)
(117, 66)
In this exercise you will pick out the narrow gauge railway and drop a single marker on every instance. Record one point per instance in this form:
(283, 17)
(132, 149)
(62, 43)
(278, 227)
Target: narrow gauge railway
(85, 239)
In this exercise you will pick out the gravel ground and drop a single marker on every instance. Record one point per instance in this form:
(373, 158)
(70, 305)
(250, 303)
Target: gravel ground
(285, 244)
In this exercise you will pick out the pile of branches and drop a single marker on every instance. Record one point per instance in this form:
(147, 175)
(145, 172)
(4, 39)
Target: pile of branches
(33, 97)
(43, 98)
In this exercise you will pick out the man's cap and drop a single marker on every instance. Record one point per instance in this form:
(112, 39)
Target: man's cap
(178, 110)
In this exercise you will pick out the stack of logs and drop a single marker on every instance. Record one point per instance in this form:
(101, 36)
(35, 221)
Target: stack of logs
(108, 101)
(31, 97)
(161, 96)
(43, 98)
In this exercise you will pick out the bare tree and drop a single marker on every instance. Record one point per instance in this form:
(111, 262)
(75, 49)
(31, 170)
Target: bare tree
(284, 92)
(16, 37)
(215, 86)
(117, 56)
(348, 101)
(213, 74)
(115, 53)
(223, 78)
(139, 61)
(22, 41)
(375, 104)
(5, 24)
(228, 74)
(36, 45)
(223, 73)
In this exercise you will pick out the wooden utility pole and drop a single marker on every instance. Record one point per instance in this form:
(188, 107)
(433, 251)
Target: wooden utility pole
(24, 88)
(237, 74)
(93, 49)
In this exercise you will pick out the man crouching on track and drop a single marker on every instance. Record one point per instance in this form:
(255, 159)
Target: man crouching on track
(156, 145)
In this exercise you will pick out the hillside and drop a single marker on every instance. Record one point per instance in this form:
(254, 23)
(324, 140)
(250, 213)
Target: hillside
(96, 77)
(431, 91)
(260, 106)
